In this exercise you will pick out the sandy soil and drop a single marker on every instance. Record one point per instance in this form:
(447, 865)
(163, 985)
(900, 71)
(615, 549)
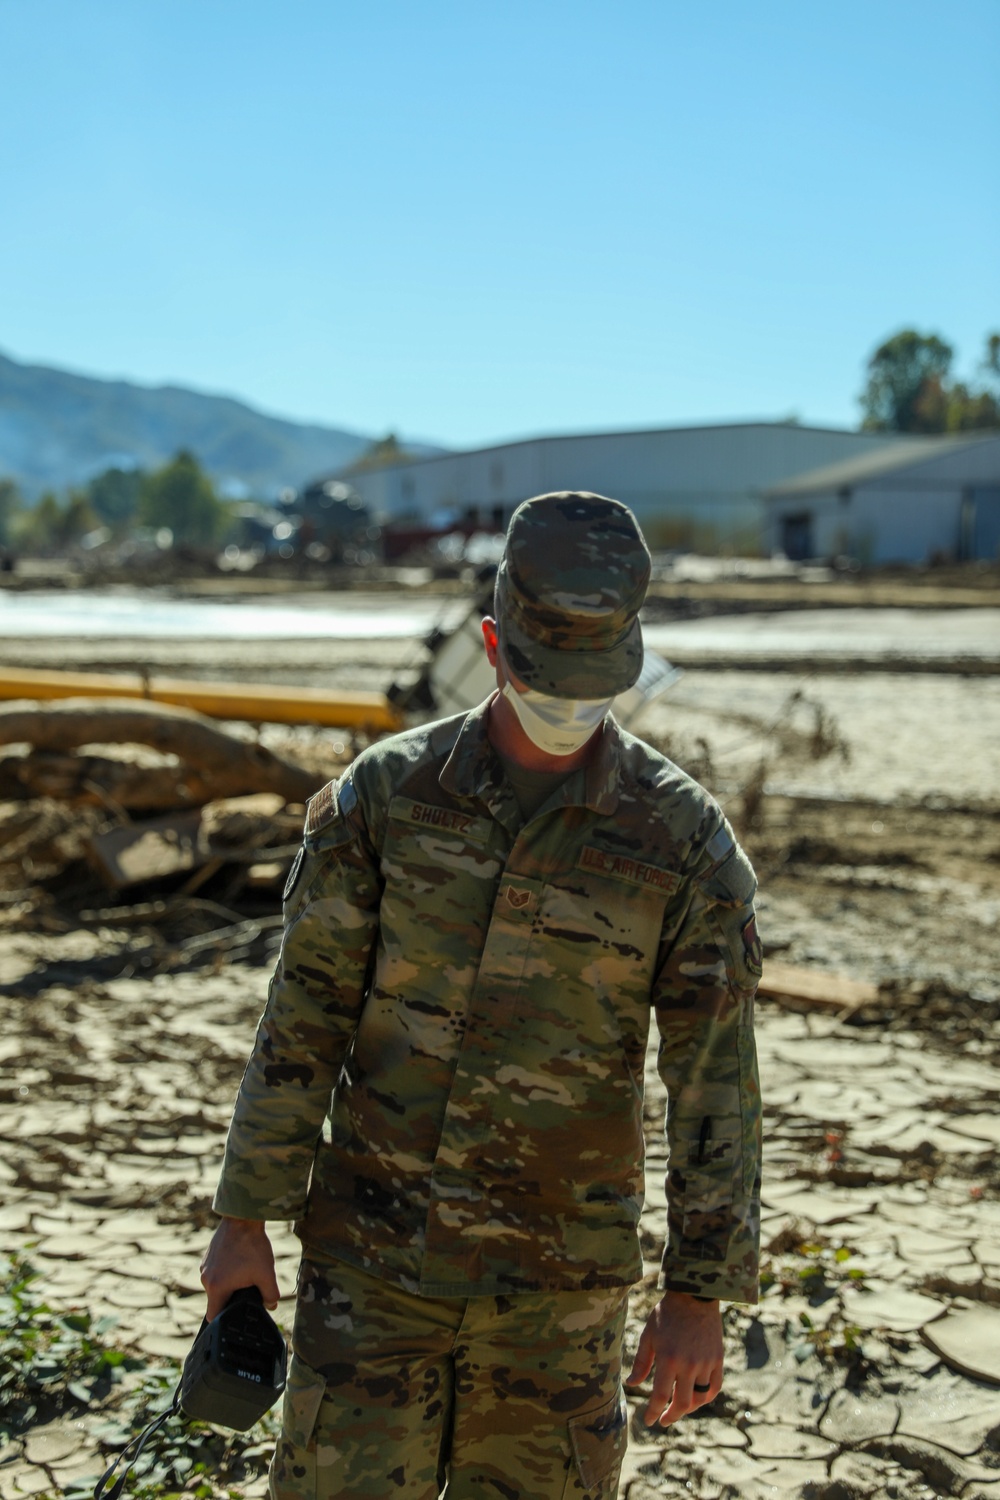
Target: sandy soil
(870, 804)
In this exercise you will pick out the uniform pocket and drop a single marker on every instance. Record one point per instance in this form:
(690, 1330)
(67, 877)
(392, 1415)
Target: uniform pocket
(293, 1471)
(598, 1440)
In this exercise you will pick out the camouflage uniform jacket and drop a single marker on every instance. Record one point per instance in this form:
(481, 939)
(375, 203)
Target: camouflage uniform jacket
(466, 1002)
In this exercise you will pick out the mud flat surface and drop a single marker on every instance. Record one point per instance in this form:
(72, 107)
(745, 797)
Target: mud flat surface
(871, 805)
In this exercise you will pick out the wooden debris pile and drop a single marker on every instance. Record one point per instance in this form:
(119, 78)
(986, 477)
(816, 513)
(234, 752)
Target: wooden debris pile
(149, 819)
(68, 757)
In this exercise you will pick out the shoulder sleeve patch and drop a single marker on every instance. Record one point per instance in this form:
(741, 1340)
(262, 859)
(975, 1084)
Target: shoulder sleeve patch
(329, 820)
(321, 809)
(293, 874)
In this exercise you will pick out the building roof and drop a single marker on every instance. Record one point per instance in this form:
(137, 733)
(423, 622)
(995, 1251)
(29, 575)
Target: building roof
(891, 439)
(907, 453)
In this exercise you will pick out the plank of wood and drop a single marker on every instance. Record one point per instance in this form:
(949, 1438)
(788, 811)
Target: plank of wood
(149, 850)
(237, 829)
(813, 989)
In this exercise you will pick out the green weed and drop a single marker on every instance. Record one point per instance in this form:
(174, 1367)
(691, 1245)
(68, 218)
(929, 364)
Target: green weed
(55, 1363)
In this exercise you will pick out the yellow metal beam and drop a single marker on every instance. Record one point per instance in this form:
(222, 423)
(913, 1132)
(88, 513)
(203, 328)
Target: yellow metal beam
(218, 700)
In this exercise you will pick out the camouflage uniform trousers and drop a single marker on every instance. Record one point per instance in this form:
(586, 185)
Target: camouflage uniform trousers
(497, 1398)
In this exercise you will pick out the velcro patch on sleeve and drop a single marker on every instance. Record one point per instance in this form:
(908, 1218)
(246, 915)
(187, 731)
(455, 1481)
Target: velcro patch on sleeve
(720, 844)
(733, 883)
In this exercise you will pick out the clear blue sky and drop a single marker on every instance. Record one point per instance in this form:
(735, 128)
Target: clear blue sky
(467, 222)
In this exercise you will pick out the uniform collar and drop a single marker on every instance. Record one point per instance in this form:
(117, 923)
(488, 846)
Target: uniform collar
(473, 770)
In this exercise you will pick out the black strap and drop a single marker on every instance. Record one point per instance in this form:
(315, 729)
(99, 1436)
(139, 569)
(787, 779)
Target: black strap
(138, 1443)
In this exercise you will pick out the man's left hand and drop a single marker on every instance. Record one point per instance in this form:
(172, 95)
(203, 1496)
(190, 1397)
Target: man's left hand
(682, 1344)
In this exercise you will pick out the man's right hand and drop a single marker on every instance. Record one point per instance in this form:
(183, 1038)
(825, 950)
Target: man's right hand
(239, 1254)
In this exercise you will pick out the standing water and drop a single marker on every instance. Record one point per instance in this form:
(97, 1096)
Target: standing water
(151, 615)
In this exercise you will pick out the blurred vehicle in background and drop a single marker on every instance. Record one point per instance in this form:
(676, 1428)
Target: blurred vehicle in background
(333, 524)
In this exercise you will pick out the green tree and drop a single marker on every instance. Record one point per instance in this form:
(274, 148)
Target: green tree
(10, 506)
(37, 528)
(77, 518)
(906, 389)
(181, 496)
(990, 362)
(971, 411)
(51, 527)
(114, 495)
(381, 454)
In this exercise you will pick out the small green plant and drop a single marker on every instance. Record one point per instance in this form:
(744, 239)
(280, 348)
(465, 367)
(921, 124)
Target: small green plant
(792, 1259)
(54, 1362)
(817, 1269)
(49, 1361)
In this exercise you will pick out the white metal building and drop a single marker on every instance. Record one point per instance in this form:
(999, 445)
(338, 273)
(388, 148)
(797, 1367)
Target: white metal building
(691, 487)
(919, 499)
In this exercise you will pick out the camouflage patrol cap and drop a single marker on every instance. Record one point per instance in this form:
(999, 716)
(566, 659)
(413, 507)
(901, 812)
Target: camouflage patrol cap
(570, 585)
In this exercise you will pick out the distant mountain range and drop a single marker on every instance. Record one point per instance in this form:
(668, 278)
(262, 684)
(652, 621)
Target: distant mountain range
(59, 429)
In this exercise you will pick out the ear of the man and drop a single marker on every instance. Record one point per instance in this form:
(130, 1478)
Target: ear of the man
(490, 640)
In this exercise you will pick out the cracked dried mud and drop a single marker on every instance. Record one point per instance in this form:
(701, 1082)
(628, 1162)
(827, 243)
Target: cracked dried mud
(870, 806)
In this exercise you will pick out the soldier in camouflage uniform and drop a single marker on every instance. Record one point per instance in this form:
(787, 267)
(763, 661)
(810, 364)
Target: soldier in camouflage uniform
(446, 1091)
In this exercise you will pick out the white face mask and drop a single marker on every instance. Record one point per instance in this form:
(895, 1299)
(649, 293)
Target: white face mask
(559, 726)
